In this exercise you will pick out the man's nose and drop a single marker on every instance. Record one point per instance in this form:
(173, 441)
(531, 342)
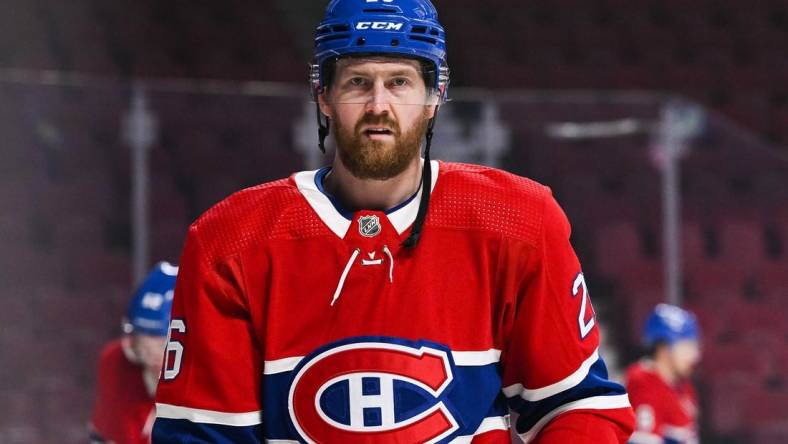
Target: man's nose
(379, 100)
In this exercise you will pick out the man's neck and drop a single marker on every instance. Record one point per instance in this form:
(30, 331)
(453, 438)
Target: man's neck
(365, 194)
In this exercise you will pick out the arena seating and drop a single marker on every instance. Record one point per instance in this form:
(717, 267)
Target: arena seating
(563, 44)
(66, 247)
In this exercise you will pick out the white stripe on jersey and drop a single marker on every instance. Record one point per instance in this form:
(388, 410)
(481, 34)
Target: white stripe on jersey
(198, 416)
(595, 403)
(281, 365)
(469, 359)
(461, 358)
(641, 437)
(553, 389)
(488, 425)
(680, 434)
(321, 204)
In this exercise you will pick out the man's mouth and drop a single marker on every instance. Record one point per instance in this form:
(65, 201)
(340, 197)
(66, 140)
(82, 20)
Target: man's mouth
(375, 132)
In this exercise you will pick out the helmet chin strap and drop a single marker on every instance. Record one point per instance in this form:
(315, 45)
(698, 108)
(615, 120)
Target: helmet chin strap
(426, 187)
(323, 130)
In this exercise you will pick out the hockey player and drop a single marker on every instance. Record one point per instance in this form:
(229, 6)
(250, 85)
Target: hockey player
(386, 298)
(129, 367)
(664, 399)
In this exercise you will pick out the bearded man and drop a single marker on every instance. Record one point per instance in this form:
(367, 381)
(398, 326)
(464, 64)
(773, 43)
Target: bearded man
(386, 298)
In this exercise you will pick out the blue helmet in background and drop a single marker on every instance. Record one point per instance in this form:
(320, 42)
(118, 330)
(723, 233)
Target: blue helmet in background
(401, 28)
(149, 309)
(670, 324)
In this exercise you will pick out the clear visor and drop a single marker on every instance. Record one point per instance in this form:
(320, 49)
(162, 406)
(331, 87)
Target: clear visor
(381, 80)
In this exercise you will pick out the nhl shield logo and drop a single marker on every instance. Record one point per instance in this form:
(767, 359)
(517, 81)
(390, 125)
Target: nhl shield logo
(369, 226)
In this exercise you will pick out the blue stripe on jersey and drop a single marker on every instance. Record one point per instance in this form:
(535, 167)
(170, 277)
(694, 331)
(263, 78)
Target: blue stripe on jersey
(321, 175)
(177, 431)
(276, 416)
(595, 384)
(474, 395)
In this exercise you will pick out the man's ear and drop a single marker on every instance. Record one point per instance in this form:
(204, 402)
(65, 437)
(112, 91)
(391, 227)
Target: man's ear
(324, 107)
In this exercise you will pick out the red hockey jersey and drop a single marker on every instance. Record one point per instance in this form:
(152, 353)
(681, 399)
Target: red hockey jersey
(665, 413)
(124, 409)
(295, 321)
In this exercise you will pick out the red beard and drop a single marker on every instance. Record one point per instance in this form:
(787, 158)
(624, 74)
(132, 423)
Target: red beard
(379, 159)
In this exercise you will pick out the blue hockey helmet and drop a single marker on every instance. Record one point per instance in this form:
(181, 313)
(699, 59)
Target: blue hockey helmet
(670, 324)
(401, 28)
(149, 309)
(395, 28)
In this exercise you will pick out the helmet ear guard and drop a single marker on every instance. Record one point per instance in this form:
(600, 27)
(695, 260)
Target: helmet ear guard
(442, 86)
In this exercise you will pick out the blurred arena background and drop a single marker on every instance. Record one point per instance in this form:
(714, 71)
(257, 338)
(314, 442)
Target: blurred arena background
(662, 127)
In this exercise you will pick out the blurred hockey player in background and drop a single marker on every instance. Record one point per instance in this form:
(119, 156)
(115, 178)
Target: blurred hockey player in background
(129, 367)
(659, 385)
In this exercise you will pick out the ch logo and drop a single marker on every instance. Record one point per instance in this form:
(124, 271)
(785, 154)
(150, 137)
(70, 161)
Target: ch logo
(369, 226)
(373, 391)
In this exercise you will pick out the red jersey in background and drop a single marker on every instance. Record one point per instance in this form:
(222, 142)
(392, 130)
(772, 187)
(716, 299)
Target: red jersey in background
(125, 409)
(665, 413)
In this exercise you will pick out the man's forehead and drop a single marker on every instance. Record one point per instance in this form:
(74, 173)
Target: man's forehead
(378, 63)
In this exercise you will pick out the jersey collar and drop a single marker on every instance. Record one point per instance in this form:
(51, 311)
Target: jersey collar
(338, 221)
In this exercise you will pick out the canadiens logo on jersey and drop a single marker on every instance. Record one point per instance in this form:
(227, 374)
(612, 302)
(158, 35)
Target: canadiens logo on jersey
(369, 226)
(374, 390)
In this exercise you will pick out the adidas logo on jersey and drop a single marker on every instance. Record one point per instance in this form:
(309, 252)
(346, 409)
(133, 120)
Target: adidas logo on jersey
(371, 261)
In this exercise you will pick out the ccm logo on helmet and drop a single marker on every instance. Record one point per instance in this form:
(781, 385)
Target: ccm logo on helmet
(380, 26)
(372, 392)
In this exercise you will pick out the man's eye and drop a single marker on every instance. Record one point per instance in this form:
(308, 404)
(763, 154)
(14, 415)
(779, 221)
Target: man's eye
(400, 81)
(357, 81)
